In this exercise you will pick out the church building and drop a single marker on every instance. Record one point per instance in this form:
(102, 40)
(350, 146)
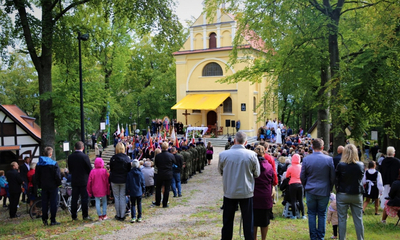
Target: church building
(201, 62)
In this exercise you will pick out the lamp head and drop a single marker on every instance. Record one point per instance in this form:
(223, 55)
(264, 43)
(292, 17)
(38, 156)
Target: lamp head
(83, 37)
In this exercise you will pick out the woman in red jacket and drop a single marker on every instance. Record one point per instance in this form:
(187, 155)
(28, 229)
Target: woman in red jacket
(295, 187)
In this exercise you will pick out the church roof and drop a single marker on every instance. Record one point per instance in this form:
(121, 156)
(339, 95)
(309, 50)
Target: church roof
(22, 120)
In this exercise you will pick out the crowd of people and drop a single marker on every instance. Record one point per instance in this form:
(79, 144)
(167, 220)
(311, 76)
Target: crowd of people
(296, 163)
(305, 170)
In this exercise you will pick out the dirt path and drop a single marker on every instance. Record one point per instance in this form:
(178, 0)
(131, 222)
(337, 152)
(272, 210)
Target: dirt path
(196, 215)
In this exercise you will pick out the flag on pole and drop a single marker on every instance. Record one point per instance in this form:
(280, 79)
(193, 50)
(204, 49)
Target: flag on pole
(177, 143)
(126, 131)
(148, 134)
(118, 130)
(173, 137)
(193, 141)
(165, 135)
(151, 144)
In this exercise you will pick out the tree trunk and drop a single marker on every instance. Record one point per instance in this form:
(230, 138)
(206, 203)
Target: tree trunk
(45, 83)
(323, 111)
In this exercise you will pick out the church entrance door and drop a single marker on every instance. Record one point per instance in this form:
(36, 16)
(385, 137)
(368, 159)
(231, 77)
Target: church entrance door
(211, 118)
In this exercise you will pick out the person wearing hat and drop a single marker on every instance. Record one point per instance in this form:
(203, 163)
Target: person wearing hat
(135, 187)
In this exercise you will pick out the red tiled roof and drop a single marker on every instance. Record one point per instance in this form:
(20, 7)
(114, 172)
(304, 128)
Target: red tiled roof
(23, 120)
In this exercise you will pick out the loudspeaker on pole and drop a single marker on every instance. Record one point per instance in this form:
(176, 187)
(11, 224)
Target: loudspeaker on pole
(227, 123)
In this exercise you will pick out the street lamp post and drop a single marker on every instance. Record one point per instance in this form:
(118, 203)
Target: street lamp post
(138, 105)
(83, 37)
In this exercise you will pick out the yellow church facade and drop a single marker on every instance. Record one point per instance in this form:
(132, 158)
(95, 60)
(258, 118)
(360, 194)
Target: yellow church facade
(200, 63)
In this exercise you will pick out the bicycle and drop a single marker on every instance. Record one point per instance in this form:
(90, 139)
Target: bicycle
(64, 202)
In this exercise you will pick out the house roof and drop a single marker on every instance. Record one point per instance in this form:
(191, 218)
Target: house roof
(23, 120)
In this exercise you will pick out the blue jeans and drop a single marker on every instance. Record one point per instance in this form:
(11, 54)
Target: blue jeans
(176, 183)
(138, 201)
(104, 202)
(316, 206)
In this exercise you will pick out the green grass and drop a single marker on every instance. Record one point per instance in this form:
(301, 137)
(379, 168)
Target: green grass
(204, 223)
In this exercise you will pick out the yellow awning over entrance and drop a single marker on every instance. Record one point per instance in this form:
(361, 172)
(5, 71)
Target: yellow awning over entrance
(201, 101)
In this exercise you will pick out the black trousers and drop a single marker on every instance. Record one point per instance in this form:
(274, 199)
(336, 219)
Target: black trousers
(167, 184)
(14, 201)
(76, 192)
(296, 194)
(228, 216)
(49, 197)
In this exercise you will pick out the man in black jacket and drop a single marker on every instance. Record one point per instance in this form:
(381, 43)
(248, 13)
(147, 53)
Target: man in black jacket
(14, 182)
(48, 178)
(163, 162)
(79, 168)
(176, 176)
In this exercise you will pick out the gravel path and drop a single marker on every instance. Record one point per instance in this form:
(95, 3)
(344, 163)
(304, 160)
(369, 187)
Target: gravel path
(196, 215)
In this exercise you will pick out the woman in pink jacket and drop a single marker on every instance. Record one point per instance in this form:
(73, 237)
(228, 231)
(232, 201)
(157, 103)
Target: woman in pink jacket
(98, 187)
(295, 187)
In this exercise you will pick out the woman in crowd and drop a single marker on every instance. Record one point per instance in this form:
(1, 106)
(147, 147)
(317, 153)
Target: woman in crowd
(295, 186)
(349, 174)
(32, 187)
(373, 186)
(262, 200)
(119, 168)
(392, 206)
(209, 153)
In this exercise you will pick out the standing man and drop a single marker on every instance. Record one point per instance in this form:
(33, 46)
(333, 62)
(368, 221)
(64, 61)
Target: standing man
(390, 171)
(94, 140)
(48, 178)
(23, 171)
(237, 125)
(176, 175)
(238, 167)
(14, 182)
(79, 168)
(163, 162)
(318, 177)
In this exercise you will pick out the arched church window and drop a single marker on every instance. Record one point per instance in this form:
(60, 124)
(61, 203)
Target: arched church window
(212, 69)
(213, 41)
(227, 105)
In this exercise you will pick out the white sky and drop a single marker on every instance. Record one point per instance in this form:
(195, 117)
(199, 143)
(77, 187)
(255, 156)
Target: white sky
(185, 9)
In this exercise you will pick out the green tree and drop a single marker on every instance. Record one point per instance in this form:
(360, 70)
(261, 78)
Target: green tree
(38, 37)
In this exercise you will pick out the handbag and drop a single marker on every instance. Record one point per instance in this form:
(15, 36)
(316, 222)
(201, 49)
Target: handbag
(209, 152)
(3, 192)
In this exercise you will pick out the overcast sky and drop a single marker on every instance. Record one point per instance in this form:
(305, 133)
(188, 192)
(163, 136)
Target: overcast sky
(188, 8)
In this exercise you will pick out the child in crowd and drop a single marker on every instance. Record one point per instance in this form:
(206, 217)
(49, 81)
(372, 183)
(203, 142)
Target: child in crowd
(98, 186)
(372, 181)
(3, 186)
(135, 188)
(148, 173)
(333, 216)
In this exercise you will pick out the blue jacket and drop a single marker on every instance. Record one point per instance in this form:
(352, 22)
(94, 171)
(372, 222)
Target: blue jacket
(135, 186)
(47, 173)
(318, 174)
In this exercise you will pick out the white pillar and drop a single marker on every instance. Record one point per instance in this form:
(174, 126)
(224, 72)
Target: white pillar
(205, 37)
(218, 15)
(233, 31)
(191, 39)
(218, 36)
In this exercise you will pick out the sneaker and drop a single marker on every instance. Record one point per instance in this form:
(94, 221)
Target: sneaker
(293, 217)
(88, 218)
(383, 221)
(105, 217)
(139, 220)
(180, 195)
(133, 220)
(304, 217)
(100, 218)
(54, 223)
(333, 237)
